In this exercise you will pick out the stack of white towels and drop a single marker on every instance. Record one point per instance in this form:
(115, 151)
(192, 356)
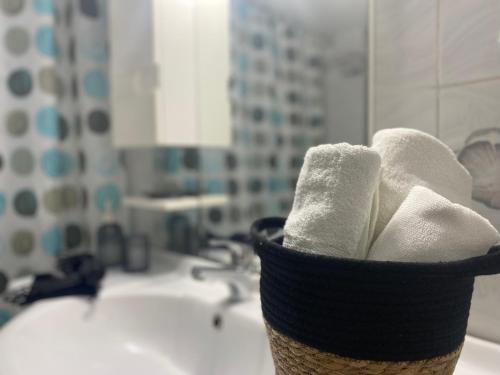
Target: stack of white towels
(406, 198)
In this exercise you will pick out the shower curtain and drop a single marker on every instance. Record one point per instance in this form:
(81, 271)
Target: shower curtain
(57, 168)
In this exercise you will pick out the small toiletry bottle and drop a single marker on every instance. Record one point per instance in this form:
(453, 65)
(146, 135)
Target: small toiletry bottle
(137, 254)
(110, 240)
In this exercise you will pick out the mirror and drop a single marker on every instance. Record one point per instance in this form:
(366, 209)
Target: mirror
(295, 77)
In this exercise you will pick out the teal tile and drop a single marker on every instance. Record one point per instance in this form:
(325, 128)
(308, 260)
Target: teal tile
(215, 186)
(95, 84)
(44, 6)
(108, 195)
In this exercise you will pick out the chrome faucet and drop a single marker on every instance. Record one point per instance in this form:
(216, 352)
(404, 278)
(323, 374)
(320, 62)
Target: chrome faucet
(237, 274)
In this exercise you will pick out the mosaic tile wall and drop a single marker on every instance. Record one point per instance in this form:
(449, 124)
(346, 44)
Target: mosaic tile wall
(57, 170)
(278, 112)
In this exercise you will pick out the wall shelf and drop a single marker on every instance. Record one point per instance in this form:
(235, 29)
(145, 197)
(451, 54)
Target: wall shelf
(175, 204)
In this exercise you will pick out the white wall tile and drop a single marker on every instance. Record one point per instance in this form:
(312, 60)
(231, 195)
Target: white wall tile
(464, 109)
(484, 320)
(409, 108)
(469, 47)
(469, 51)
(405, 42)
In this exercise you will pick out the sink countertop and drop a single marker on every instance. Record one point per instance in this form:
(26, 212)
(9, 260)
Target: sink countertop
(160, 322)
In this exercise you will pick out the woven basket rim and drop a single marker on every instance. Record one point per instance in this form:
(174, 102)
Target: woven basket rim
(487, 264)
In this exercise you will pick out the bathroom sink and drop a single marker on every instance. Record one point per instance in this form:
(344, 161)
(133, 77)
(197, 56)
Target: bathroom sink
(162, 323)
(158, 325)
(147, 334)
(479, 357)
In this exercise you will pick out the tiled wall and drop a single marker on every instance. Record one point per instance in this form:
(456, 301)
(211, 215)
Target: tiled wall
(436, 67)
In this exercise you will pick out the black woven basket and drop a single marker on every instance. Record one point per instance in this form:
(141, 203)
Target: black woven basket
(385, 312)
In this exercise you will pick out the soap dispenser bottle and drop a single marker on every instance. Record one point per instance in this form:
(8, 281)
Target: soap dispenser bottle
(110, 240)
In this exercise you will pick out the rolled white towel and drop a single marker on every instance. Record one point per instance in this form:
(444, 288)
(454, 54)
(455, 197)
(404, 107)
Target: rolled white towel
(334, 201)
(410, 158)
(429, 228)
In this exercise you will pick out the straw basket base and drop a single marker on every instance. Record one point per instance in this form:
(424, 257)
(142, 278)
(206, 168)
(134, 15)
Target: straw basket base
(291, 357)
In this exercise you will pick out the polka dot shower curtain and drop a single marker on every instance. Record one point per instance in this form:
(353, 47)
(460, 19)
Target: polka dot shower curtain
(57, 167)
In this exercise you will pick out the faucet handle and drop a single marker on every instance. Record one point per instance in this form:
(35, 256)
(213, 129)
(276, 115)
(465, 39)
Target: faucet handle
(241, 254)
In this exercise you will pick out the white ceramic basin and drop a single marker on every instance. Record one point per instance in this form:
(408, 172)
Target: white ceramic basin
(479, 357)
(161, 324)
(133, 335)
(157, 325)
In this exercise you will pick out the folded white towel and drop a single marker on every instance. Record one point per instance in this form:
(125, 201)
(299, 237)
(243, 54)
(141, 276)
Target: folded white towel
(333, 201)
(409, 158)
(429, 228)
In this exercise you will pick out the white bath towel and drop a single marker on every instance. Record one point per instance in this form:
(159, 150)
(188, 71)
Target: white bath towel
(409, 158)
(333, 201)
(429, 228)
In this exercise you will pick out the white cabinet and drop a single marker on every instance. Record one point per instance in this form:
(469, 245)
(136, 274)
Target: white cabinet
(169, 72)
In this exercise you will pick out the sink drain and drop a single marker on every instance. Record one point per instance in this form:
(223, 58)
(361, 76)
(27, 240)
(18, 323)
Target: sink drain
(217, 321)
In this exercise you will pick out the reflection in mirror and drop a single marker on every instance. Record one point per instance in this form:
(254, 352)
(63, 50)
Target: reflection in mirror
(162, 123)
